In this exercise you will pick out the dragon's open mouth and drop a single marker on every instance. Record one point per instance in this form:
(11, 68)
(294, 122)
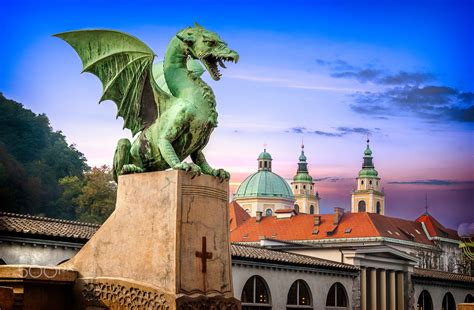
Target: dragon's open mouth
(211, 62)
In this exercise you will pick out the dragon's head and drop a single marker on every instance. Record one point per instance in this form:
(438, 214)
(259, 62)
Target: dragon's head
(208, 47)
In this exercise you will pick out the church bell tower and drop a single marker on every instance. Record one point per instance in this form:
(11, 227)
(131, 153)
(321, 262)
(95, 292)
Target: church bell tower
(307, 201)
(368, 197)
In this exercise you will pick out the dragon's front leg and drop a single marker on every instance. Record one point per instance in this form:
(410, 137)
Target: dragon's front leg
(169, 155)
(199, 158)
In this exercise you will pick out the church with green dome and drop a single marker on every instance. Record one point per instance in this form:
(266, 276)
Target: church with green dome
(264, 191)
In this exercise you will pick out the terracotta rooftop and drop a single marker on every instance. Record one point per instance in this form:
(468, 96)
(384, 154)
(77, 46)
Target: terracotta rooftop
(237, 215)
(47, 227)
(351, 225)
(435, 229)
(265, 255)
(441, 275)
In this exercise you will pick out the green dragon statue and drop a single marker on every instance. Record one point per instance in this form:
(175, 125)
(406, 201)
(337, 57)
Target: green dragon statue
(171, 122)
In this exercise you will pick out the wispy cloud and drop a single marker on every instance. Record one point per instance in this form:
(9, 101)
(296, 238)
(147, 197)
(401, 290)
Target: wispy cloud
(329, 179)
(404, 93)
(429, 102)
(288, 83)
(339, 131)
(341, 69)
(434, 182)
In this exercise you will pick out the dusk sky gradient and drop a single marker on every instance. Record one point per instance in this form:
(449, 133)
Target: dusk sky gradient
(331, 72)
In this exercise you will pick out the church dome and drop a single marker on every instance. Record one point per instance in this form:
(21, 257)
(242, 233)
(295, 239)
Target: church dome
(264, 183)
(264, 155)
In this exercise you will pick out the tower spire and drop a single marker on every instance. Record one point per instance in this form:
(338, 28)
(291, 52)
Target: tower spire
(369, 196)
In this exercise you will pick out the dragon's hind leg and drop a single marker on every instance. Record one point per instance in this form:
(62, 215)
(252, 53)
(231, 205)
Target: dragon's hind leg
(122, 164)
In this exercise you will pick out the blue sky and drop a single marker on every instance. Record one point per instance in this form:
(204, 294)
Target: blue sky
(330, 72)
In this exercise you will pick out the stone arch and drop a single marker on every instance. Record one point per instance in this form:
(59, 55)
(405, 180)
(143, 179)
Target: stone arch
(299, 296)
(448, 302)
(256, 294)
(424, 301)
(337, 297)
(361, 207)
(469, 298)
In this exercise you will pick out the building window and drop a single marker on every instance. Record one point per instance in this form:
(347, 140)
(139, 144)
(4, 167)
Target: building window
(311, 187)
(304, 186)
(265, 164)
(361, 206)
(362, 182)
(247, 210)
(296, 186)
(269, 212)
(297, 209)
(337, 296)
(256, 294)
(379, 207)
(260, 164)
(469, 299)
(424, 301)
(299, 296)
(448, 302)
(370, 182)
(311, 209)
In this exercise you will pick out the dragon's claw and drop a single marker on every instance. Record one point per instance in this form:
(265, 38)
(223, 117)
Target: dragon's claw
(190, 168)
(221, 174)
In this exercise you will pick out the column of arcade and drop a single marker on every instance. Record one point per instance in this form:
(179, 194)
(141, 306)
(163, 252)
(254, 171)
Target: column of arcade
(382, 289)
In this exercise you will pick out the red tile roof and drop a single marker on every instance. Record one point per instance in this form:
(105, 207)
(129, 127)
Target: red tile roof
(435, 228)
(237, 215)
(351, 225)
(42, 226)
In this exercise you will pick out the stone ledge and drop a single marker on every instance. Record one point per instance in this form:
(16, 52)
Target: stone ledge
(36, 273)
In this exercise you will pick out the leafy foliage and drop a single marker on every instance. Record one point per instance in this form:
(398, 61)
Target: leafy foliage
(98, 195)
(40, 173)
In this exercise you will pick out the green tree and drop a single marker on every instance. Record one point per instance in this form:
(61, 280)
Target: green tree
(67, 204)
(33, 160)
(97, 199)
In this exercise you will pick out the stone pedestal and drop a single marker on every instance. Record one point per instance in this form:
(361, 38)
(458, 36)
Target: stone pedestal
(166, 246)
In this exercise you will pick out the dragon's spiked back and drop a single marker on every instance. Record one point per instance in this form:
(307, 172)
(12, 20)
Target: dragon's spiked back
(124, 65)
(208, 47)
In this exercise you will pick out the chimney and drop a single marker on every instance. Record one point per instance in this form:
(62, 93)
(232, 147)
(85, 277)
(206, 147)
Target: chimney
(317, 220)
(258, 217)
(338, 213)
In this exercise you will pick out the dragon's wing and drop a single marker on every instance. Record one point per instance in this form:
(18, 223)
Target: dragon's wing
(124, 65)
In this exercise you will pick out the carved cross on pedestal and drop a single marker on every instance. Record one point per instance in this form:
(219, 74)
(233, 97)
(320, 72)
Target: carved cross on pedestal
(204, 255)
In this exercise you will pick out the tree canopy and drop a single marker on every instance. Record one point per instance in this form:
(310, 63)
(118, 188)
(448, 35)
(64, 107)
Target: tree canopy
(41, 174)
